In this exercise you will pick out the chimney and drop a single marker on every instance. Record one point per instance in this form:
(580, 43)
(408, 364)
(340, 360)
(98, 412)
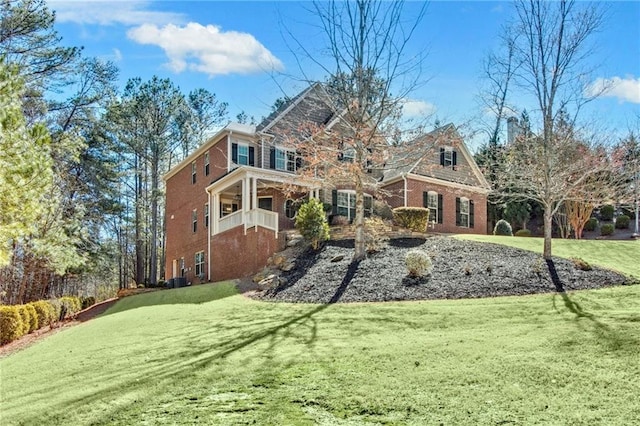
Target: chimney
(513, 129)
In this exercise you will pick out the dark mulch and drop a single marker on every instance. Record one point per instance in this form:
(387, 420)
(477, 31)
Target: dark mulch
(462, 269)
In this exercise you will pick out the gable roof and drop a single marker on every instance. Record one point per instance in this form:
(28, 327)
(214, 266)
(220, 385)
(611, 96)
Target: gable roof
(311, 106)
(425, 160)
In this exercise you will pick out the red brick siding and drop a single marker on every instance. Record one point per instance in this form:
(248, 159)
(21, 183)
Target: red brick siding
(182, 197)
(235, 255)
(415, 190)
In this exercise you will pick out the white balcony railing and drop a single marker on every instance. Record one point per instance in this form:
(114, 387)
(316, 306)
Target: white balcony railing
(255, 217)
(230, 221)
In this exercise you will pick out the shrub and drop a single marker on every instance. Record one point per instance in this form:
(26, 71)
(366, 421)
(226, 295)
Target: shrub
(581, 264)
(622, 222)
(33, 318)
(312, 222)
(70, 305)
(57, 310)
(375, 237)
(413, 218)
(25, 316)
(629, 212)
(44, 311)
(503, 228)
(523, 233)
(591, 225)
(606, 229)
(10, 324)
(418, 263)
(606, 212)
(88, 301)
(338, 220)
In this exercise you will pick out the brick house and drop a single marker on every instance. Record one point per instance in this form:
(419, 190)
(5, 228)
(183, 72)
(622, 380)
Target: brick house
(444, 178)
(229, 202)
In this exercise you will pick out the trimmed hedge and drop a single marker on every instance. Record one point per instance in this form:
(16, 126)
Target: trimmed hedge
(25, 316)
(606, 212)
(606, 229)
(33, 318)
(10, 324)
(591, 225)
(622, 222)
(45, 312)
(503, 228)
(418, 263)
(90, 301)
(413, 218)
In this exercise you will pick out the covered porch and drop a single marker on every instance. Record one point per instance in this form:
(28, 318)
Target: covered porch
(251, 198)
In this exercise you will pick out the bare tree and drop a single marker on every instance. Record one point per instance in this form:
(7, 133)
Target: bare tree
(553, 48)
(370, 76)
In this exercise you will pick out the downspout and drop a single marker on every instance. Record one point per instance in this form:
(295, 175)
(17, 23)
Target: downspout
(404, 178)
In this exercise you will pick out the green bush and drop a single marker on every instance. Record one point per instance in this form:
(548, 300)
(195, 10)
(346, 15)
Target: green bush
(606, 212)
(418, 263)
(629, 212)
(10, 324)
(591, 225)
(45, 312)
(606, 229)
(33, 318)
(71, 305)
(503, 228)
(523, 233)
(90, 301)
(311, 221)
(581, 264)
(25, 316)
(413, 218)
(622, 222)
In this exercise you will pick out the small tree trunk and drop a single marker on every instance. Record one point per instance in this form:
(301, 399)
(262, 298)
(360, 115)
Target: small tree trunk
(360, 251)
(548, 220)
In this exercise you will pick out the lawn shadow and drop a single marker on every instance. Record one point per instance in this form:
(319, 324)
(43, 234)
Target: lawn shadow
(202, 357)
(614, 339)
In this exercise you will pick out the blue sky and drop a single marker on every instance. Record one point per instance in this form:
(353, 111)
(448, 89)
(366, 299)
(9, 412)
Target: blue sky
(242, 51)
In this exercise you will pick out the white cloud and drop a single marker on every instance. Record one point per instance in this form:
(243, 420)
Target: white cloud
(417, 108)
(625, 89)
(117, 55)
(207, 49)
(113, 12)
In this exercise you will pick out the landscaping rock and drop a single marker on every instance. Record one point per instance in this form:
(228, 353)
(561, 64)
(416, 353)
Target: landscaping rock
(269, 281)
(337, 258)
(288, 266)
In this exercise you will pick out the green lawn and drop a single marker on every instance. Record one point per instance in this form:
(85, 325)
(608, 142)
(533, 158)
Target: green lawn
(622, 256)
(231, 360)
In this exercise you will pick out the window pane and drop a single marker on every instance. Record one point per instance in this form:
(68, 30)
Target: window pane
(243, 154)
(280, 164)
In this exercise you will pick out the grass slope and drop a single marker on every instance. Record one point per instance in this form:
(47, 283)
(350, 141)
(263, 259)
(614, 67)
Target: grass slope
(525, 360)
(621, 256)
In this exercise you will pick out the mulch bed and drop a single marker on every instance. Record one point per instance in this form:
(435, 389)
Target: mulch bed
(462, 269)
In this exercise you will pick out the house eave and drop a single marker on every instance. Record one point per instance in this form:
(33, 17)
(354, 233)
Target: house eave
(427, 179)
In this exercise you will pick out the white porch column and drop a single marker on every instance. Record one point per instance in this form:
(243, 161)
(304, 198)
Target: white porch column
(254, 193)
(245, 194)
(215, 214)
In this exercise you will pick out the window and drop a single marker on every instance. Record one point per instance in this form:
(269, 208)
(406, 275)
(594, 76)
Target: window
(290, 209)
(243, 154)
(206, 215)
(206, 163)
(194, 220)
(193, 172)
(464, 212)
(349, 155)
(432, 205)
(448, 157)
(200, 264)
(285, 160)
(346, 204)
(265, 203)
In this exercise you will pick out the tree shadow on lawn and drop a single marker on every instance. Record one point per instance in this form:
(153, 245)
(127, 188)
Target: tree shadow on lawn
(190, 360)
(614, 339)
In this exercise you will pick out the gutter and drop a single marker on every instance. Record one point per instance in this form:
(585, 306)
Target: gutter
(404, 178)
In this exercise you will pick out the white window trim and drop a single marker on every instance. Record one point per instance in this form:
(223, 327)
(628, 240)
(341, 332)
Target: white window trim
(351, 195)
(448, 156)
(194, 221)
(261, 197)
(245, 146)
(433, 209)
(193, 172)
(285, 160)
(199, 265)
(206, 215)
(206, 163)
(284, 208)
(464, 202)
